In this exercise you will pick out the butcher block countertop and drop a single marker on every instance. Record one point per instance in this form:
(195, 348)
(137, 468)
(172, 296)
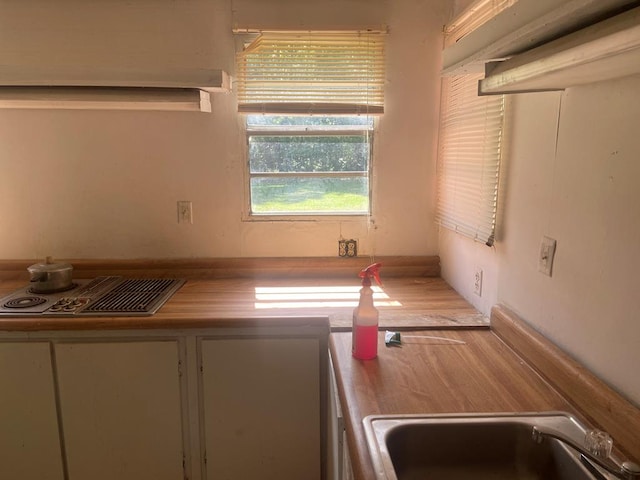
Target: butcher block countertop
(502, 368)
(233, 292)
(430, 376)
(482, 375)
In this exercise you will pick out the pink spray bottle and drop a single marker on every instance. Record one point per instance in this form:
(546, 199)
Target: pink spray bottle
(365, 317)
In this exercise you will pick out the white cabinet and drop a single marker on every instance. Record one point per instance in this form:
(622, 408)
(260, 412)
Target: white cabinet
(29, 435)
(261, 408)
(120, 406)
(339, 458)
(347, 469)
(199, 404)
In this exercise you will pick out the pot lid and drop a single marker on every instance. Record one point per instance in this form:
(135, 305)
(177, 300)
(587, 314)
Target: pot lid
(49, 266)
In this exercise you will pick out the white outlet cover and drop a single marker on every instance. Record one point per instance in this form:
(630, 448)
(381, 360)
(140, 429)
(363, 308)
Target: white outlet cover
(477, 282)
(547, 252)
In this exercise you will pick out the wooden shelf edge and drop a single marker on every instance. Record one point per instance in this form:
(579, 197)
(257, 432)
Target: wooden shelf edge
(598, 402)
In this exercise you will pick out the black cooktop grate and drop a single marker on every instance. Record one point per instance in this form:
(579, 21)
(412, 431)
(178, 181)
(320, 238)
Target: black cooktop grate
(136, 295)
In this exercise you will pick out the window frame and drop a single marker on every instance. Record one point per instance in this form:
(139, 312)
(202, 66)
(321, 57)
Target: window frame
(319, 73)
(249, 215)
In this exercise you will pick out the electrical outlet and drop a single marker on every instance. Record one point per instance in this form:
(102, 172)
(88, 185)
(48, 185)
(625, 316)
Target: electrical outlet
(185, 211)
(477, 282)
(547, 252)
(347, 248)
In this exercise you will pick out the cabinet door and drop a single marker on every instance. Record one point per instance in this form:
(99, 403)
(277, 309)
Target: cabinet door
(29, 435)
(261, 400)
(120, 409)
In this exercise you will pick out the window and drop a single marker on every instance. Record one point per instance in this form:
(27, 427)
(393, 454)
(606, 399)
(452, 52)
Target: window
(469, 158)
(309, 165)
(309, 99)
(470, 144)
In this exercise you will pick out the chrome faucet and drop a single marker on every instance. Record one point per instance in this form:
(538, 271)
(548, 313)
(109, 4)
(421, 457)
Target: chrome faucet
(596, 449)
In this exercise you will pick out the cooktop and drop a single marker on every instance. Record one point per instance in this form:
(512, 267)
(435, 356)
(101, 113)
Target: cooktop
(106, 296)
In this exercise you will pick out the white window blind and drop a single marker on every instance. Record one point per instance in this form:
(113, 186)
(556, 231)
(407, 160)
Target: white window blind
(469, 158)
(312, 73)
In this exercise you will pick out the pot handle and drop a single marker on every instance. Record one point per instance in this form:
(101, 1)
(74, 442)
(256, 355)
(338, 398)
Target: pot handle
(39, 276)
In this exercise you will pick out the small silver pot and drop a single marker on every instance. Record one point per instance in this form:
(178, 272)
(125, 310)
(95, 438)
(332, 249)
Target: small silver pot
(50, 277)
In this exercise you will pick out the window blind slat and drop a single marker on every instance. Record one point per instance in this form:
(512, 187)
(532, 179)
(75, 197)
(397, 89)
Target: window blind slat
(469, 158)
(310, 69)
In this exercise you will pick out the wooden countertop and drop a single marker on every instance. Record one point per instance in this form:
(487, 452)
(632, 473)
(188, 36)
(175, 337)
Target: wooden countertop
(483, 375)
(424, 376)
(426, 302)
(431, 376)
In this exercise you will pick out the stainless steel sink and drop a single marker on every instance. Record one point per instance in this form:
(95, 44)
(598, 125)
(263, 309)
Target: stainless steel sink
(478, 447)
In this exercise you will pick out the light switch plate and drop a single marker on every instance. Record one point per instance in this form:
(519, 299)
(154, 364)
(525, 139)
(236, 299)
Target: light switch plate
(547, 252)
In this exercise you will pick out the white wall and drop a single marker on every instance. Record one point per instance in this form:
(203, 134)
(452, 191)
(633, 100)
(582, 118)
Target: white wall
(105, 184)
(83, 184)
(572, 172)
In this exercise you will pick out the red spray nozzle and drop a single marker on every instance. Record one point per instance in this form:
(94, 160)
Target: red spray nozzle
(372, 270)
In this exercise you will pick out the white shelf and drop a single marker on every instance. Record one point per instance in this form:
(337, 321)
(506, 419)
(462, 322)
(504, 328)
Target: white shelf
(606, 50)
(524, 25)
(105, 98)
(71, 87)
(211, 80)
